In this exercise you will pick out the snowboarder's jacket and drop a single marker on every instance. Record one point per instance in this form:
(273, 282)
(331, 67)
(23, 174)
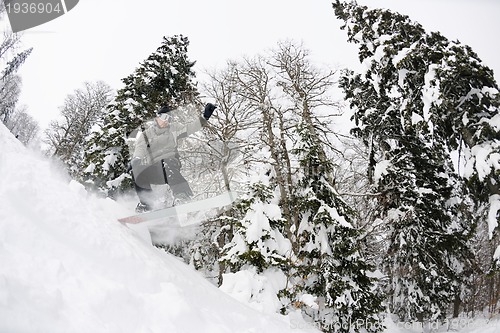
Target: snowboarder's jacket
(156, 143)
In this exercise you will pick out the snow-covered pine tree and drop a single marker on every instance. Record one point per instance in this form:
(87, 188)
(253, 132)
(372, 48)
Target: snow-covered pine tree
(259, 250)
(331, 267)
(165, 77)
(11, 59)
(428, 110)
(258, 239)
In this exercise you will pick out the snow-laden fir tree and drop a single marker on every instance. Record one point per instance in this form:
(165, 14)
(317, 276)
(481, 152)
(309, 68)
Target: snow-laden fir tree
(258, 238)
(11, 60)
(330, 265)
(164, 78)
(283, 91)
(428, 110)
(258, 250)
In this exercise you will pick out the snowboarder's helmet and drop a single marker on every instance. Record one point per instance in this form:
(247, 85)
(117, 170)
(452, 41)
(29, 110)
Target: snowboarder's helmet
(163, 109)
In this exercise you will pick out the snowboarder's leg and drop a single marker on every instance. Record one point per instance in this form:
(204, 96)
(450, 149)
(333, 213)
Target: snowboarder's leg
(179, 185)
(146, 198)
(152, 174)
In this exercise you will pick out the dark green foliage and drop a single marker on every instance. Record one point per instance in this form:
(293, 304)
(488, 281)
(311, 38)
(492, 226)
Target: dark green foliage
(422, 102)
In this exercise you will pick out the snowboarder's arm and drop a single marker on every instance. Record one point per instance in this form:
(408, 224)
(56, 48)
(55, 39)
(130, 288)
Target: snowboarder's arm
(181, 131)
(187, 130)
(140, 150)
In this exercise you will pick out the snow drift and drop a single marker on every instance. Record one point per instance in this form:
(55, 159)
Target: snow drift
(67, 265)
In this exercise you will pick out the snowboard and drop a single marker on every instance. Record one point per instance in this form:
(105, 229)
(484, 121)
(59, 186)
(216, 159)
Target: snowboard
(183, 212)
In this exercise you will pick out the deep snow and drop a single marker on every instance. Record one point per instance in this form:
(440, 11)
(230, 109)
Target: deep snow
(67, 265)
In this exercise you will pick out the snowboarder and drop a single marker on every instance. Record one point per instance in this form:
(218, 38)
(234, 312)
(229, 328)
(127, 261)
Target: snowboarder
(156, 158)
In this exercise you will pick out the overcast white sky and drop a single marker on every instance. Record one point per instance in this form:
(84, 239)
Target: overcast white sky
(106, 40)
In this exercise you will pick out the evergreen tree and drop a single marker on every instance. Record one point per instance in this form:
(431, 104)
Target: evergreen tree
(11, 60)
(331, 266)
(10, 89)
(423, 101)
(258, 249)
(164, 78)
(282, 225)
(258, 239)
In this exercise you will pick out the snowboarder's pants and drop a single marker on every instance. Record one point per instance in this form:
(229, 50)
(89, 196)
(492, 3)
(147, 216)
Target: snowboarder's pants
(163, 172)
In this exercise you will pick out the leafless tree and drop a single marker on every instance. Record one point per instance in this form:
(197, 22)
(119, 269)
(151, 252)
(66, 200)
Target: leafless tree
(23, 126)
(81, 110)
(232, 126)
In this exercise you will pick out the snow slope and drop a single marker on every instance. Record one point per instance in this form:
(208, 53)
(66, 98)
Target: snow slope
(67, 265)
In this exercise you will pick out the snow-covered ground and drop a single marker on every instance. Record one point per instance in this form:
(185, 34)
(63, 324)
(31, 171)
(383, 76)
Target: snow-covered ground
(67, 265)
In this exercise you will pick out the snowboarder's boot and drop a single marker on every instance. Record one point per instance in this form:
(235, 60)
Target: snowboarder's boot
(142, 208)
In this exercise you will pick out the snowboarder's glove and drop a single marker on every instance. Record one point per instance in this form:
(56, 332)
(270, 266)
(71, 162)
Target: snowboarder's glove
(209, 109)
